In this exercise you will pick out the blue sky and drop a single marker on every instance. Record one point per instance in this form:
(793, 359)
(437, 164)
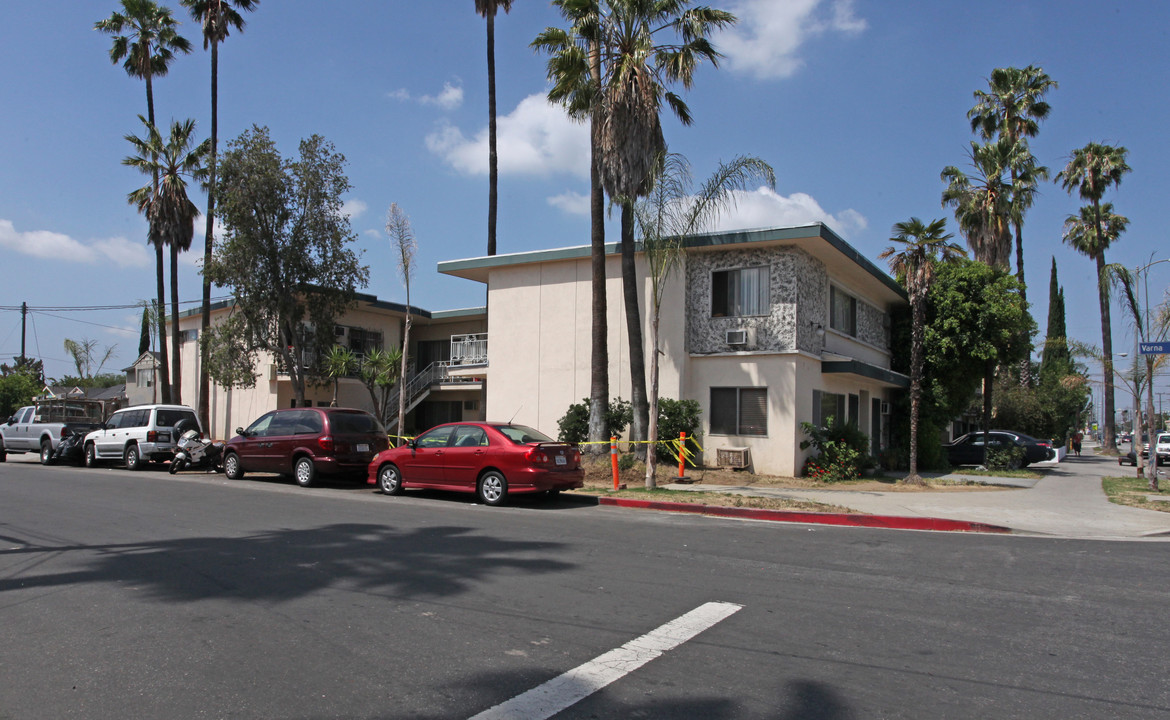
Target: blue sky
(857, 105)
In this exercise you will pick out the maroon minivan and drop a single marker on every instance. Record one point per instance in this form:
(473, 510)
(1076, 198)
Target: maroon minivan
(305, 443)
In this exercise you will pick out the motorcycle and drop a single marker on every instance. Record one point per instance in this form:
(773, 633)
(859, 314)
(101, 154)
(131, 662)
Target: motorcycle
(192, 451)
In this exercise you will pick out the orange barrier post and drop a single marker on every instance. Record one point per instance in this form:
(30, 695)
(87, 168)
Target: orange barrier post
(682, 444)
(613, 459)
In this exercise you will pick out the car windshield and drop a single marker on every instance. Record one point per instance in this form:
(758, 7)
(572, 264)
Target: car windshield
(522, 435)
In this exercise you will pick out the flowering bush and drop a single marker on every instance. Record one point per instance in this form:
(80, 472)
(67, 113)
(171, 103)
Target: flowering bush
(843, 451)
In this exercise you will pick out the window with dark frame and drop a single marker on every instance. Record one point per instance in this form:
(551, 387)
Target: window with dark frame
(739, 411)
(842, 311)
(740, 292)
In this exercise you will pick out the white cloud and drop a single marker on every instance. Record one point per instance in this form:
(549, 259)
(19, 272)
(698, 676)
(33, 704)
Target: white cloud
(766, 40)
(537, 138)
(449, 98)
(765, 208)
(573, 203)
(354, 208)
(56, 246)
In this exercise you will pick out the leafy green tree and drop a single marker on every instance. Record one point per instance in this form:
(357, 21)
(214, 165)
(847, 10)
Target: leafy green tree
(923, 246)
(1091, 172)
(286, 258)
(670, 212)
(169, 212)
(574, 67)
(487, 9)
(18, 386)
(145, 41)
(218, 18)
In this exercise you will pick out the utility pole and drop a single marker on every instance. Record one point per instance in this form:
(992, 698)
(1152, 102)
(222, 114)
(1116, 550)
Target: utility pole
(23, 318)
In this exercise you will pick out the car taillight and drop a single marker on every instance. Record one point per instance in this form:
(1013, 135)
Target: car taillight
(325, 442)
(152, 436)
(537, 456)
(576, 458)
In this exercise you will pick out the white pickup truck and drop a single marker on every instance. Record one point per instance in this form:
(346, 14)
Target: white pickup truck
(42, 427)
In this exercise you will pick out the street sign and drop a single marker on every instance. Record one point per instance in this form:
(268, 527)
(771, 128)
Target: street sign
(1155, 348)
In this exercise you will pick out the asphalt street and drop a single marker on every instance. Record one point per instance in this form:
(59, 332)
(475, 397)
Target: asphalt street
(146, 595)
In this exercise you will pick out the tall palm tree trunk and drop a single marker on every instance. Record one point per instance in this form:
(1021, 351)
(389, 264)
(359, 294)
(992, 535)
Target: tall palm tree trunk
(208, 243)
(1110, 438)
(641, 419)
(1026, 364)
(164, 372)
(917, 337)
(599, 347)
(493, 173)
(176, 364)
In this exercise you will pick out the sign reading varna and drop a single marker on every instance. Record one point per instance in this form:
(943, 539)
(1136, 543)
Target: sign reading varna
(1155, 348)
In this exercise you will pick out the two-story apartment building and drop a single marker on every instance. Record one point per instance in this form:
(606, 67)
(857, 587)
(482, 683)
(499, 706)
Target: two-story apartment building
(765, 329)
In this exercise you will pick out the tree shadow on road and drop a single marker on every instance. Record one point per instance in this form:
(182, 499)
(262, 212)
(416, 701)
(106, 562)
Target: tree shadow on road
(286, 564)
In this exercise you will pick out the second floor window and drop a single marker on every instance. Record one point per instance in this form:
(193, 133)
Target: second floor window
(735, 293)
(842, 311)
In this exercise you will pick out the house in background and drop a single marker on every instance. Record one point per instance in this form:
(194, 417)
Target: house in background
(142, 379)
(765, 329)
(444, 377)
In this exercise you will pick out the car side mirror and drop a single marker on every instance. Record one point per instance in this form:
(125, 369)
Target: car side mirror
(12, 420)
(240, 431)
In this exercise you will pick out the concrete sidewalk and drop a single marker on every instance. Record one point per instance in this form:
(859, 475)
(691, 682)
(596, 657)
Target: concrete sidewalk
(1068, 502)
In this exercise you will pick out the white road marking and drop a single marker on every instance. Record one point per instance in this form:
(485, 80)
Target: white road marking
(582, 681)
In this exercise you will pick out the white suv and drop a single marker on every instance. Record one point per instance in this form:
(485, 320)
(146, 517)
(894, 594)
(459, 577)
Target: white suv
(140, 434)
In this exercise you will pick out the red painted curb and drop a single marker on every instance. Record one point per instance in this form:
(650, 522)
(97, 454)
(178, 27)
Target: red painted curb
(895, 522)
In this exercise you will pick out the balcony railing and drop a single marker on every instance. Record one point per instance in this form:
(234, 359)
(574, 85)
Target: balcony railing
(469, 350)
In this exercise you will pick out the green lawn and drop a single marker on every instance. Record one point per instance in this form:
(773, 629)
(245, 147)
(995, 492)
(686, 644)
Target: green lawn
(1135, 492)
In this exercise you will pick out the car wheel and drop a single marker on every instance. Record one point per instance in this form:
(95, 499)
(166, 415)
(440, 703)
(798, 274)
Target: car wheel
(132, 458)
(46, 452)
(91, 460)
(390, 480)
(232, 467)
(552, 494)
(304, 472)
(493, 488)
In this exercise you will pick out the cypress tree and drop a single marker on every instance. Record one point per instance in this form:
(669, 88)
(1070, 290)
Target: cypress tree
(144, 336)
(1055, 362)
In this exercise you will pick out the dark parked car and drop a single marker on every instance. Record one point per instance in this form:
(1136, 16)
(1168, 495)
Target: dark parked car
(492, 460)
(968, 449)
(306, 442)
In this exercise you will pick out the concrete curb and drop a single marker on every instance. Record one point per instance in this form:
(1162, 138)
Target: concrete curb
(894, 522)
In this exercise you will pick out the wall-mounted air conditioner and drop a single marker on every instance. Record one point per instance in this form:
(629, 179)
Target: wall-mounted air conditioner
(743, 337)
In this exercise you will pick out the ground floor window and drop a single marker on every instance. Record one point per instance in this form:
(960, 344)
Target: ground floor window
(739, 411)
(827, 405)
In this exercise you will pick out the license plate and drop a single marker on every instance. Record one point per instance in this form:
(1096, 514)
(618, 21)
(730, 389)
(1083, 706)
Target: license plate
(363, 447)
(561, 460)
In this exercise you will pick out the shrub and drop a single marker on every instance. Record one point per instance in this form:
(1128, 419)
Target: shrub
(844, 451)
(573, 427)
(675, 416)
(1005, 458)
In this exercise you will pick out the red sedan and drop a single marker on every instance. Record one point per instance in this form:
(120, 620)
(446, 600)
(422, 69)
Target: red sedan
(489, 459)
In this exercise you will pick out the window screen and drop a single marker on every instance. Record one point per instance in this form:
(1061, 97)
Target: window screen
(739, 411)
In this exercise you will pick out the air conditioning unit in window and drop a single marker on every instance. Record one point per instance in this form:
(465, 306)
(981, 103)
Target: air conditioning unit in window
(885, 408)
(744, 338)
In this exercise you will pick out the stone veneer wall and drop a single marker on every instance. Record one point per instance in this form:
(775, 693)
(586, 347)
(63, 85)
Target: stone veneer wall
(798, 292)
(794, 278)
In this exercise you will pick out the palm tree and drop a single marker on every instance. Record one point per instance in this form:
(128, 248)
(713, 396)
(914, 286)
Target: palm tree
(1091, 171)
(146, 39)
(982, 205)
(488, 8)
(668, 214)
(636, 67)
(923, 246)
(1012, 110)
(339, 363)
(1082, 234)
(575, 70)
(218, 17)
(169, 212)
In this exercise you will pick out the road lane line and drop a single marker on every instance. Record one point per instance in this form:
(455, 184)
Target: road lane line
(559, 693)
